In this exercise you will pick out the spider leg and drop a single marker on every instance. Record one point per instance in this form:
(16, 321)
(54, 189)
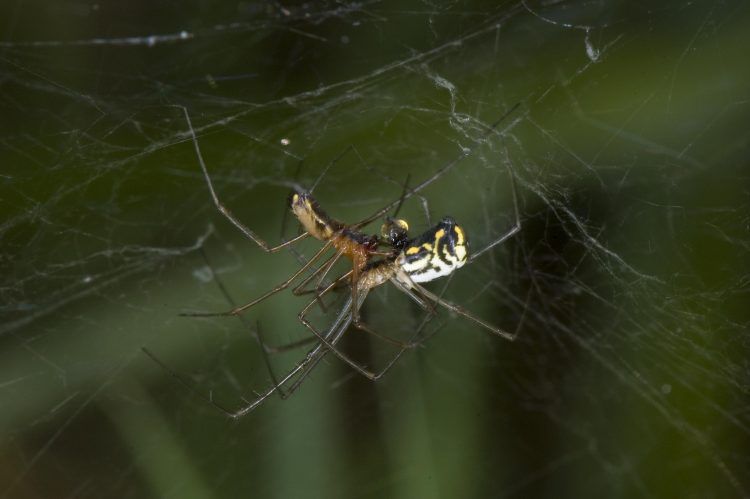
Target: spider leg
(303, 368)
(224, 210)
(465, 313)
(335, 332)
(257, 334)
(283, 395)
(323, 270)
(300, 371)
(422, 199)
(356, 291)
(414, 296)
(332, 333)
(406, 190)
(329, 166)
(413, 342)
(493, 128)
(266, 358)
(280, 287)
(339, 282)
(234, 414)
(354, 319)
(347, 310)
(293, 345)
(516, 227)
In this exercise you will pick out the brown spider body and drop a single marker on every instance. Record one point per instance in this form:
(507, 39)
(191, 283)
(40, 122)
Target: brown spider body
(347, 241)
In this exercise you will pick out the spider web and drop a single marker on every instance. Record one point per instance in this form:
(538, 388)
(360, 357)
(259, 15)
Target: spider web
(628, 281)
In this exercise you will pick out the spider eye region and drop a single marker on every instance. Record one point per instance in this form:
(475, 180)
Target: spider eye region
(396, 232)
(436, 253)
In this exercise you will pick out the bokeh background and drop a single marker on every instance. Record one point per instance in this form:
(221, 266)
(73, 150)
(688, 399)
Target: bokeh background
(625, 124)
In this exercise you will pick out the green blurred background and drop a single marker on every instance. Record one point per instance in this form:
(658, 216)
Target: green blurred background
(628, 282)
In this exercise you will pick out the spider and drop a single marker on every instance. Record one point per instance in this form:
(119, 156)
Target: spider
(406, 263)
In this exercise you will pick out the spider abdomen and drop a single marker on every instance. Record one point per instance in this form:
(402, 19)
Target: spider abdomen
(436, 253)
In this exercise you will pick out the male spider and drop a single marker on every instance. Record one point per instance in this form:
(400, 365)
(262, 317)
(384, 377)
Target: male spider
(407, 262)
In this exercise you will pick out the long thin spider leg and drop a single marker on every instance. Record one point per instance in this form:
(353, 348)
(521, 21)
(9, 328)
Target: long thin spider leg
(439, 173)
(354, 288)
(327, 289)
(413, 341)
(266, 358)
(209, 399)
(359, 325)
(406, 189)
(515, 228)
(342, 323)
(403, 196)
(349, 309)
(223, 290)
(335, 332)
(257, 334)
(418, 339)
(329, 166)
(340, 282)
(356, 291)
(414, 296)
(422, 199)
(319, 285)
(323, 271)
(335, 336)
(303, 368)
(463, 312)
(282, 394)
(362, 326)
(224, 211)
(374, 376)
(426, 305)
(356, 322)
(280, 287)
(299, 368)
(293, 345)
(327, 263)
